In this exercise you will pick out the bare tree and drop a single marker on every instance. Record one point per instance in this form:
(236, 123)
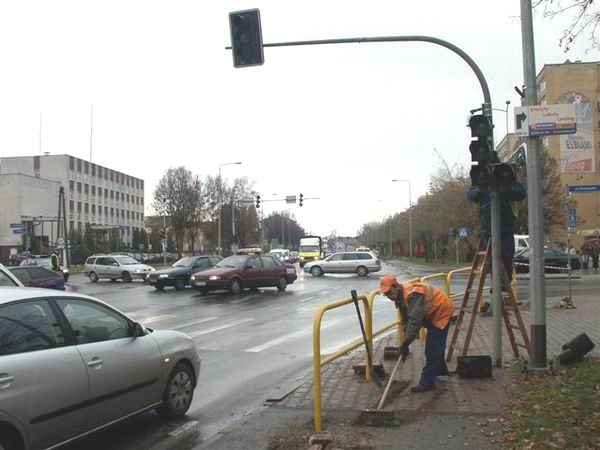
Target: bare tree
(585, 19)
(178, 194)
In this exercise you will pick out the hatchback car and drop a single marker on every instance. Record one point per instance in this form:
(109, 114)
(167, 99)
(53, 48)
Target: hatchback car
(34, 276)
(71, 364)
(178, 275)
(44, 261)
(115, 267)
(238, 272)
(555, 261)
(361, 263)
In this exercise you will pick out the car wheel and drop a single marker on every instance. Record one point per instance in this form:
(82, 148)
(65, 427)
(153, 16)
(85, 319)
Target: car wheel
(235, 286)
(282, 284)
(302, 265)
(93, 277)
(126, 276)
(316, 271)
(179, 392)
(362, 271)
(159, 287)
(66, 277)
(179, 284)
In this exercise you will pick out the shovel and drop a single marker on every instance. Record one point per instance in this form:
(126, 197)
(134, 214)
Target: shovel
(362, 328)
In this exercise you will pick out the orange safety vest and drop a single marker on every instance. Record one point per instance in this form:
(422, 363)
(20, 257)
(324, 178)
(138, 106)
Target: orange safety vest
(438, 307)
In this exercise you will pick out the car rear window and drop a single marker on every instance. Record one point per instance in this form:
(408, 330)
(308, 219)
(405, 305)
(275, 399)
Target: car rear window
(90, 260)
(364, 255)
(350, 256)
(39, 273)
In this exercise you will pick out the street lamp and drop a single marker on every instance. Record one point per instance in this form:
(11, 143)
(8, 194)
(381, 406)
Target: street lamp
(410, 239)
(219, 250)
(505, 111)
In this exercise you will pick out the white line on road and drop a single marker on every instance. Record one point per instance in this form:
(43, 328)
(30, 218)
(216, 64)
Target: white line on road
(183, 428)
(286, 337)
(306, 299)
(194, 322)
(233, 323)
(156, 318)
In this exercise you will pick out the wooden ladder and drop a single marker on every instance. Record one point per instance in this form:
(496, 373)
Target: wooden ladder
(480, 269)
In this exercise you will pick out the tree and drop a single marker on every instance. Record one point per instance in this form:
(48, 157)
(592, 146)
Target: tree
(284, 228)
(585, 19)
(179, 195)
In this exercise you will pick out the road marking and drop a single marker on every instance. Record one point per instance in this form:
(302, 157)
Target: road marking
(183, 428)
(307, 299)
(304, 332)
(243, 299)
(219, 327)
(157, 318)
(194, 322)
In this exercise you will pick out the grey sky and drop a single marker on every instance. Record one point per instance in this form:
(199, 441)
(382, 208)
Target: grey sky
(335, 122)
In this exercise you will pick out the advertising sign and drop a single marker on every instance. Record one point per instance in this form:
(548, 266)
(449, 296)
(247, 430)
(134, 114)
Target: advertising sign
(545, 120)
(577, 150)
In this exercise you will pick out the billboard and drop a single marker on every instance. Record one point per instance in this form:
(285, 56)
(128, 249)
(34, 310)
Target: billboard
(577, 150)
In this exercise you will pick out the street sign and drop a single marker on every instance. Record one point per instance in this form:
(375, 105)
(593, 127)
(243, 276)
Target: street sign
(545, 120)
(290, 199)
(248, 201)
(60, 241)
(17, 225)
(435, 236)
(572, 211)
(463, 232)
(59, 247)
(585, 188)
(19, 231)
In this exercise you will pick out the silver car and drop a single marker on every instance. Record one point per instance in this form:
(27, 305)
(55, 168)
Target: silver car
(361, 263)
(71, 364)
(7, 278)
(115, 267)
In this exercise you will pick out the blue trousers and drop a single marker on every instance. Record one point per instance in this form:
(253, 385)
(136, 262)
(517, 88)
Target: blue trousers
(435, 349)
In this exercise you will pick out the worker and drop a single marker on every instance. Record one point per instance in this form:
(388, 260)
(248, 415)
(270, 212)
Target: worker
(422, 304)
(54, 262)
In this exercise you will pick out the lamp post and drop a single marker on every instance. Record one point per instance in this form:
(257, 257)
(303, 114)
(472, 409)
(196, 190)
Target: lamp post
(505, 111)
(219, 249)
(410, 239)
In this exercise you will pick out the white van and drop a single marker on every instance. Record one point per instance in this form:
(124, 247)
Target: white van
(521, 242)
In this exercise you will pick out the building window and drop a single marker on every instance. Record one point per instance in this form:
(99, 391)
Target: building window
(71, 206)
(71, 185)
(78, 187)
(71, 167)
(106, 210)
(71, 224)
(86, 189)
(79, 165)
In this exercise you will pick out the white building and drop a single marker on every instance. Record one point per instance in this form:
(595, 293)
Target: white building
(104, 198)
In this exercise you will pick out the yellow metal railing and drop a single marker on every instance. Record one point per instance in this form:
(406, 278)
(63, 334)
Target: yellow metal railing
(318, 363)
(449, 279)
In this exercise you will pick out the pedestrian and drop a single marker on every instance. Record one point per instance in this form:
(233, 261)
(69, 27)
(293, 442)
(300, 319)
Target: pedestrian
(595, 253)
(584, 257)
(509, 221)
(422, 304)
(54, 263)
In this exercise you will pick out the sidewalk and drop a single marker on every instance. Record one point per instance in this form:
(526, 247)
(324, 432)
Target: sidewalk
(459, 414)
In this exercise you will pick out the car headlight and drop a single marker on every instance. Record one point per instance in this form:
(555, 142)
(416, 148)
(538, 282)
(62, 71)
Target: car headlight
(147, 276)
(214, 277)
(138, 270)
(193, 278)
(163, 275)
(302, 257)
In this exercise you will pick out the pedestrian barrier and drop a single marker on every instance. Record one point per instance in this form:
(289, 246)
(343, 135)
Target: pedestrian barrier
(449, 279)
(318, 363)
(545, 267)
(436, 276)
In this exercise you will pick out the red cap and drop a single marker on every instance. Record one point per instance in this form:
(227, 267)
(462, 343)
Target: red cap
(386, 283)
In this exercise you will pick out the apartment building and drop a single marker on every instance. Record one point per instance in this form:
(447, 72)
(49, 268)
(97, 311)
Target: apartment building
(578, 155)
(104, 198)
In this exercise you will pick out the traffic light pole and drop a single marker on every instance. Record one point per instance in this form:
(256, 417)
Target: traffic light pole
(537, 288)
(486, 109)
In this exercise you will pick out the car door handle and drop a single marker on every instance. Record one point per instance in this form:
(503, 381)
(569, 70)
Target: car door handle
(95, 362)
(5, 380)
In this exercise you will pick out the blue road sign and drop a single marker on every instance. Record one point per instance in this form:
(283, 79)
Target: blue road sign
(585, 188)
(462, 232)
(17, 225)
(572, 211)
(19, 231)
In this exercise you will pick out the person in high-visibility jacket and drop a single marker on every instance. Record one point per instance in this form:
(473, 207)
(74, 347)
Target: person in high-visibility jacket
(422, 304)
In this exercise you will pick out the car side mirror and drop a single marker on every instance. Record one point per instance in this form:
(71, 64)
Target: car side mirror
(115, 264)
(139, 330)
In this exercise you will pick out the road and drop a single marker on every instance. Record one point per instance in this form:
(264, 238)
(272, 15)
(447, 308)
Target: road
(254, 346)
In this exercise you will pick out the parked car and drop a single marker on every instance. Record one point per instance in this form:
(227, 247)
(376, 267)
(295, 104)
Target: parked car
(178, 275)
(72, 364)
(7, 278)
(363, 249)
(294, 257)
(34, 276)
(284, 252)
(553, 257)
(242, 271)
(115, 267)
(361, 263)
(44, 261)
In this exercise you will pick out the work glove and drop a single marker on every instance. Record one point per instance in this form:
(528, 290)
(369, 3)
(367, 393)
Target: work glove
(404, 351)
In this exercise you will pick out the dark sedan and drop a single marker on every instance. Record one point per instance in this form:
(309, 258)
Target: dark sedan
(34, 276)
(555, 261)
(44, 261)
(178, 275)
(241, 271)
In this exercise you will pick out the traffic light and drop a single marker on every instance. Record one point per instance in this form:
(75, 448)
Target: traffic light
(503, 175)
(258, 200)
(481, 176)
(301, 199)
(163, 233)
(246, 38)
(481, 149)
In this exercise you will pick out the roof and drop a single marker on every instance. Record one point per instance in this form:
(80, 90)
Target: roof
(10, 294)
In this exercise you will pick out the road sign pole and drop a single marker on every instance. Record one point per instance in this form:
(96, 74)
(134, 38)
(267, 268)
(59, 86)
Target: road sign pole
(568, 197)
(496, 280)
(537, 286)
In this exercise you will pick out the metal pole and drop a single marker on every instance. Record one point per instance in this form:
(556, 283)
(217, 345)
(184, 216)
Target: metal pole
(164, 242)
(537, 287)
(567, 205)
(219, 226)
(410, 238)
(391, 237)
(496, 280)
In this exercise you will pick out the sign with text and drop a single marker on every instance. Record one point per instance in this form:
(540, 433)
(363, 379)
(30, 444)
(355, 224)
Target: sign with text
(545, 120)
(577, 149)
(585, 188)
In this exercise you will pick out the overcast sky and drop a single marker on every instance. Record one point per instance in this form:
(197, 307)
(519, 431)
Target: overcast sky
(335, 122)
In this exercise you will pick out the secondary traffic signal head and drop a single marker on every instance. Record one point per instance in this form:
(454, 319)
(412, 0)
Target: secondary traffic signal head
(258, 200)
(301, 199)
(481, 148)
(503, 175)
(246, 38)
(480, 126)
(481, 176)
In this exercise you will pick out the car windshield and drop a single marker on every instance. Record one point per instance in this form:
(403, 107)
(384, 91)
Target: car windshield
(309, 248)
(126, 260)
(185, 262)
(237, 262)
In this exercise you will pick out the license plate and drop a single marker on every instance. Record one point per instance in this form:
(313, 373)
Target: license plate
(200, 283)
(291, 271)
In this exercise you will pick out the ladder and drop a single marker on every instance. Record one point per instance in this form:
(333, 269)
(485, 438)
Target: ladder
(480, 269)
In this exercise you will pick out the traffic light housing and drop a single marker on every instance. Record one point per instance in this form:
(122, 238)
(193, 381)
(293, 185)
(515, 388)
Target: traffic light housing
(481, 176)
(481, 148)
(246, 38)
(504, 175)
(257, 200)
(301, 199)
